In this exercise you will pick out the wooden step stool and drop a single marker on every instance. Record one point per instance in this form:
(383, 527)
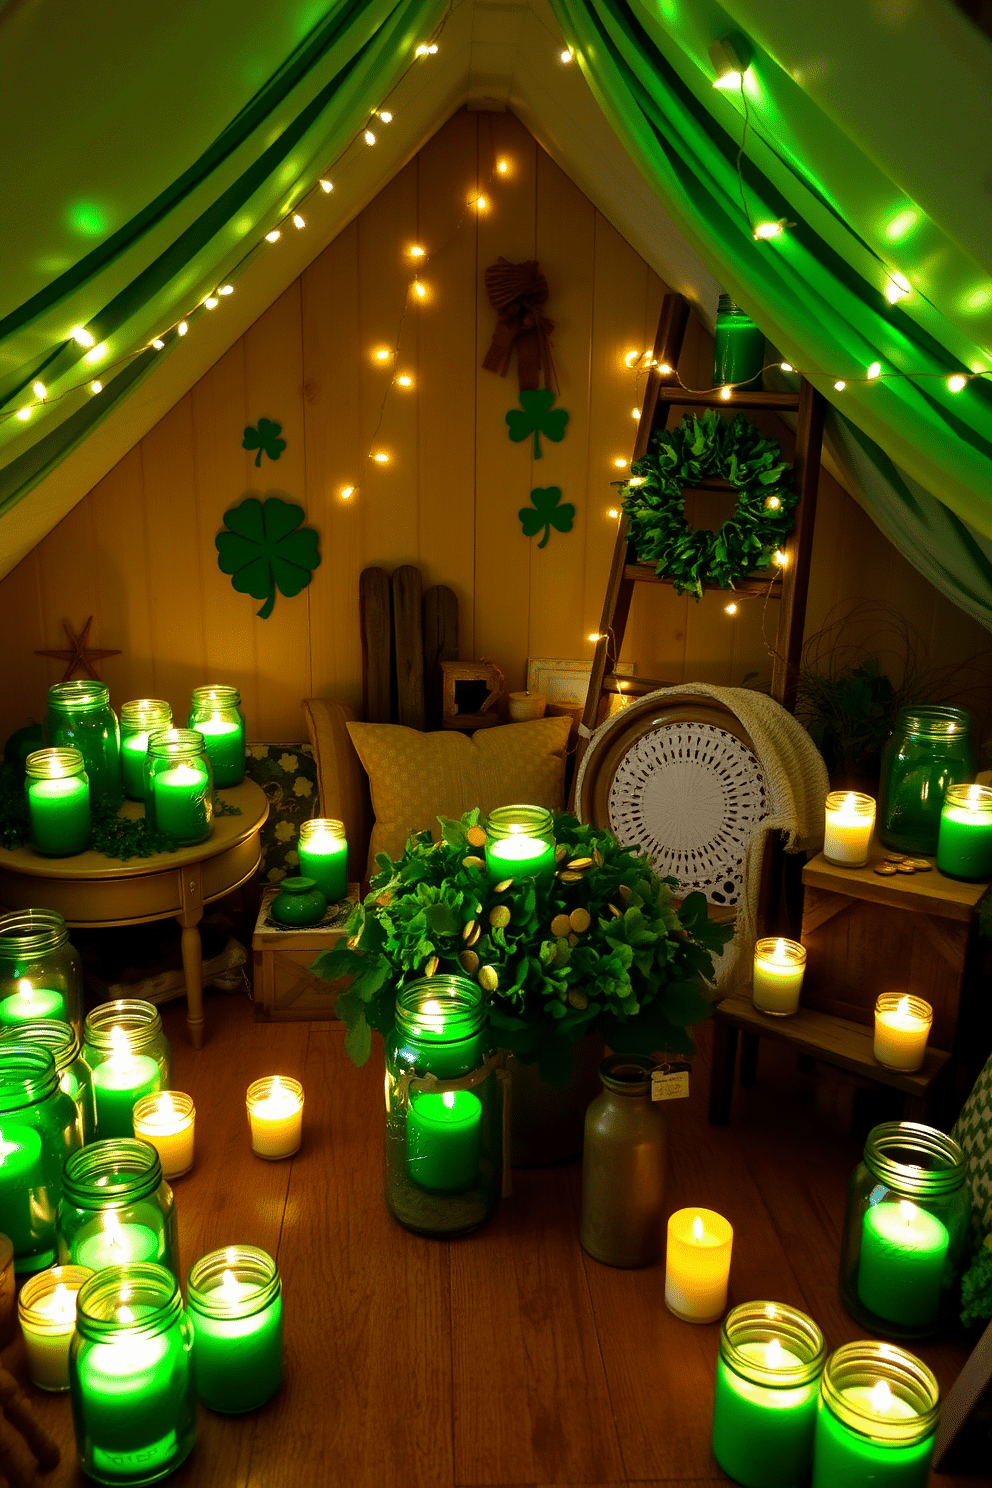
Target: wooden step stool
(864, 934)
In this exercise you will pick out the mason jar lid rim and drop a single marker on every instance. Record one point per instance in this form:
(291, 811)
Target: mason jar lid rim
(46, 1033)
(911, 1176)
(137, 1160)
(746, 1322)
(79, 691)
(176, 741)
(28, 1074)
(457, 995)
(250, 1257)
(895, 1365)
(40, 762)
(45, 927)
(166, 1300)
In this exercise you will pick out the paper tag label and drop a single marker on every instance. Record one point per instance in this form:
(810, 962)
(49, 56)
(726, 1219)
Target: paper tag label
(670, 1085)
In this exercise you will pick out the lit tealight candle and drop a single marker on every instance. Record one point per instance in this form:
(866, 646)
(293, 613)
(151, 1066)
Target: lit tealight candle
(964, 846)
(902, 1027)
(114, 1244)
(777, 978)
(901, 1266)
(118, 1083)
(29, 1003)
(849, 823)
(324, 856)
(879, 1408)
(47, 1311)
(275, 1111)
(697, 1265)
(166, 1120)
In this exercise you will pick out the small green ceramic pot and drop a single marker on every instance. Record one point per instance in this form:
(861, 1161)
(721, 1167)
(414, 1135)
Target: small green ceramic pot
(298, 902)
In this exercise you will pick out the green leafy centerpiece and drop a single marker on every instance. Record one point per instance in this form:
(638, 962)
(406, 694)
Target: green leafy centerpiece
(599, 948)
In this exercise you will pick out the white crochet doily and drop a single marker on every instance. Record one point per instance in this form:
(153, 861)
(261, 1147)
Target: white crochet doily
(690, 795)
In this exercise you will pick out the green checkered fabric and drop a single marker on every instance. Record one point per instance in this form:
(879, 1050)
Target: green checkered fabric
(973, 1131)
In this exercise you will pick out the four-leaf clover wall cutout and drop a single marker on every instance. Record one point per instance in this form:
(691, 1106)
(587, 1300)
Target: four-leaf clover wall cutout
(546, 513)
(265, 439)
(266, 549)
(537, 418)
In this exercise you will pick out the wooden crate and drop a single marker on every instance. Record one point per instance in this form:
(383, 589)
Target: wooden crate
(865, 934)
(285, 987)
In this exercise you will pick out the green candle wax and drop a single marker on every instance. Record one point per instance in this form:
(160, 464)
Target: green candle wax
(763, 1436)
(29, 1003)
(59, 811)
(111, 1243)
(181, 800)
(325, 859)
(843, 1458)
(134, 751)
(237, 1361)
(964, 847)
(519, 857)
(901, 1268)
(133, 1408)
(224, 741)
(738, 351)
(21, 1176)
(117, 1083)
(443, 1139)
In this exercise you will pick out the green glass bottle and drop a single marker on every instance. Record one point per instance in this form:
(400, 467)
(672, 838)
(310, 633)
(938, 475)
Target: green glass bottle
(929, 749)
(738, 347)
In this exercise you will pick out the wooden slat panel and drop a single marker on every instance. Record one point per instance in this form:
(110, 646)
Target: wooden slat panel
(440, 644)
(408, 646)
(375, 604)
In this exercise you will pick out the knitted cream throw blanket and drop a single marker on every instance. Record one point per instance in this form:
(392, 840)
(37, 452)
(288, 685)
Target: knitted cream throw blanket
(796, 783)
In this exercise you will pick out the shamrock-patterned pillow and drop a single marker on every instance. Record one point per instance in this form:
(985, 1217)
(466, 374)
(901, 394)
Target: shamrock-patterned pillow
(973, 1130)
(287, 774)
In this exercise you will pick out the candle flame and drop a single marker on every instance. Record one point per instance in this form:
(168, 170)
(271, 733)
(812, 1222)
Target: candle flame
(849, 802)
(773, 1354)
(118, 1042)
(63, 1306)
(165, 1106)
(125, 1315)
(449, 1099)
(902, 1011)
(230, 1256)
(432, 1007)
(229, 1285)
(881, 1398)
(184, 774)
(780, 949)
(26, 990)
(907, 1210)
(112, 1230)
(697, 1228)
(276, 1090)
(771, 1311)
(974, 795)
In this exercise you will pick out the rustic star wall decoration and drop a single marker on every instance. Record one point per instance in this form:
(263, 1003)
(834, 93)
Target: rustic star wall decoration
(81, 657)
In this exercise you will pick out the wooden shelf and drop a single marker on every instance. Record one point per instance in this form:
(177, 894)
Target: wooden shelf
(643, 573)
(670, 392)
(929, 893)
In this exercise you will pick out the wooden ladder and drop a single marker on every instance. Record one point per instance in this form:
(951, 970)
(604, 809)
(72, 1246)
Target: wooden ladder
(662, 394)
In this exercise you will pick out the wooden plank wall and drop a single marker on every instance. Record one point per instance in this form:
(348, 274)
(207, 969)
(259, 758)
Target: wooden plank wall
(138, 551)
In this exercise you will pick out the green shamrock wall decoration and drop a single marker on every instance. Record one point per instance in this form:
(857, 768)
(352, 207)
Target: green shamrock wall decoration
(267, 549)
(546, 513)
(538, 417)
(265, 439)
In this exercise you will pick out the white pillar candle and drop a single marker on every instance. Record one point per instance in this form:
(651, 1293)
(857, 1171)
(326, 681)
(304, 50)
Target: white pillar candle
(697, 1265)
(849, 823)
(47, 1312)
(275, 1112)
(166, 1120)
(902, 1027)
(522, 706)
(777, 978)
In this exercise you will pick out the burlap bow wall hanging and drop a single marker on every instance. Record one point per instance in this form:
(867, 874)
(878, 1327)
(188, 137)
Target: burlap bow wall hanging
(518, 293)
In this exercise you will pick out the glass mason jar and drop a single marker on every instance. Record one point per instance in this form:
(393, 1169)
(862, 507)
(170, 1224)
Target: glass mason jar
(74, 1075)
(139, 720)
(117, 1208)
(623, 1166)
(905, 1231)
(37, 1131)
(929, 749)
(57, 791)
(777, 975)
(520, 843)
(215, 712)
(877, 1418)
(80, 717)
(41, 975)
(324, 856)
(767, 1385)
(179, 788)
(131, 1376)
(738, 346)
(234, 1298)
(128, 1056)
(46, 1310)
(444, 1109)
(964, 846)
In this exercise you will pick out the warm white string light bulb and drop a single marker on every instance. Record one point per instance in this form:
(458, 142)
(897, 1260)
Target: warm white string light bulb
(764, 232)
(24, 414)
(385, 116)
(40, 391)
(226, 289)
(182, 327)
(381, 458)
(211, 302)
(82, 336)
(956, 383)
(347, 492)
(620, 464)
(369, 137)
(840, 385)
(567, 55)
(298, 221)
(725, 393)
(273, 236)
(732, 608)
(875, 370)
(326, 186)
(96, 387)
(897, 287)
(406, 381)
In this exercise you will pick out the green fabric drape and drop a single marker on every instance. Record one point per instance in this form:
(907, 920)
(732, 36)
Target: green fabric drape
(192, 182)
(819, 290)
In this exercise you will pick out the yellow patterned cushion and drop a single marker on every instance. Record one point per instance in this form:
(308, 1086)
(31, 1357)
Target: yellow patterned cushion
(416, 778)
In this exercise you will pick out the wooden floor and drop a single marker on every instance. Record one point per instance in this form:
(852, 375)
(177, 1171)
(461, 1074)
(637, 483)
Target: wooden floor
(505, 1358)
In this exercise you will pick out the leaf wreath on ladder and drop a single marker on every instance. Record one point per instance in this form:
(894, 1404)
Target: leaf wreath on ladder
(682, 458)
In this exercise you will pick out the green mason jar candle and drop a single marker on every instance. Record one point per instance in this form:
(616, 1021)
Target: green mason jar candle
(116, 1208)
(80, 717)
(41, 975)
(444, 1109)
(57, 790)
(767, 1385)
(738, 346)
(215, 712)
(74, 1075)
(905, 1231)
(929, 749)
(234, 1297)
(139, 720)
(324, 856)
(964, 846)
(624, 1156)
(520, 843)
(37, 1134)
(128, 1056)
(179, 789)
(131, 1376)
(876, 1419)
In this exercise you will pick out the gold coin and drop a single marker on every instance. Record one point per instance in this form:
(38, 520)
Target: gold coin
(626, 893)
(503, 885)
(886, 869)
(920, 864)
(905, 868)
(431, 966)
(573, 940)
(597, 857)
(500, 917)
(560, 852)
(488, 978)
(617, 913)
(473, 862)
(895, 857)
(476, 836)
(580, 920)
(561, 925)
(467, 929)
(578, 863)
(578, 998)
(476, 932)
(567, 877)
(470, 962)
